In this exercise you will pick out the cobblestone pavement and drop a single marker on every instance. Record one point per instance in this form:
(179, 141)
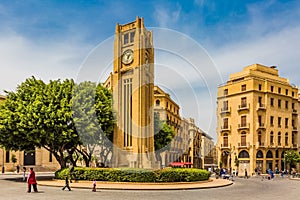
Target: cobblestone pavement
(252, 188)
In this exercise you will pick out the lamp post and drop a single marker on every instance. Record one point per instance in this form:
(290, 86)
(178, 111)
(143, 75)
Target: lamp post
(3, 168)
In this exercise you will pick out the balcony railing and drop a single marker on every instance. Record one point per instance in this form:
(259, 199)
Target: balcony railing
(260, 144)
(225, 110)
(261, 126)
(261, 106)
(295, 128)
(294, 111)
(243, 144)
(295, 145)
(244, 107)
(225, 128)
(224, 145)
(243, 126)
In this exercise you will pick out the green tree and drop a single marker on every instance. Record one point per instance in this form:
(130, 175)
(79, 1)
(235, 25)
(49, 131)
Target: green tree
(93, 117)
(164, 134)
(291, 157)
(40, 115)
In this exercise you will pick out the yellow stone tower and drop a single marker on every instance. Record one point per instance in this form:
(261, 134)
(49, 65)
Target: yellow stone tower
(132, 85)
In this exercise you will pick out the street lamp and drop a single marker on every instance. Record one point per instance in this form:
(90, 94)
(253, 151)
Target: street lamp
(3, 168)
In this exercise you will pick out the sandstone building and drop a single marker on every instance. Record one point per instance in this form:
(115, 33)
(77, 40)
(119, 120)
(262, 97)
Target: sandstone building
(257, 114)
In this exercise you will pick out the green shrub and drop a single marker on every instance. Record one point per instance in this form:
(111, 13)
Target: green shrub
(135, 175)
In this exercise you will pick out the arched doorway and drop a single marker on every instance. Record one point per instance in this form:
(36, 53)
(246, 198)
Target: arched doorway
(259, 161)
(244, 162)
(269, 160)
(29, 157)
(225, 159)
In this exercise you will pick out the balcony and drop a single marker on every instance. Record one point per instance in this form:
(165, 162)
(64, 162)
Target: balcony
(260, 144)
(243, 126)
(225, 128)
(244, 107)
(244, 145)
(295, 129)
(261, 106)
(225, 146)
(294, 111)
(261, 126)
(225, 110)
(295, 146)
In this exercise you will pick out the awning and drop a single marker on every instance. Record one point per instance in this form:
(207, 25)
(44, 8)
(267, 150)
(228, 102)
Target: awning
(180, 164)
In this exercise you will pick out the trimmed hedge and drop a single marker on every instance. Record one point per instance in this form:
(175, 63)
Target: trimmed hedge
(135, 175)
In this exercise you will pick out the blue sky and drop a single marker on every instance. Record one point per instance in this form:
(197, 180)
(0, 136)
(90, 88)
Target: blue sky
(51, 39)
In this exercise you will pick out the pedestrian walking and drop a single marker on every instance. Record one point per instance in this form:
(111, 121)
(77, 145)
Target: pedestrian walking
(31, 180)
(246, 173)
(66, 184)
(94, 185)
(24, 173)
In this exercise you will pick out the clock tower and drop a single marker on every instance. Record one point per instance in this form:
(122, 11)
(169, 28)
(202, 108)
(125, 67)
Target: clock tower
(132, 86)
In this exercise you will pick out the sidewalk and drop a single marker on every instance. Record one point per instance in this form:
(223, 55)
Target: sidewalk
(212, 183)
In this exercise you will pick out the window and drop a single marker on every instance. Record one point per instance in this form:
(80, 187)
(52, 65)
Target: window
(225, 123)
(293, 94)
(272, 120)
(269, 154)
(244, 102)
(279, 90)
(157, 103)
(293, 123)
(259, 154)
(272, 88)
(244, 154)
(259, 87)
(286, 92)
(226, 92)
(126, 38)
(243, 87)
(293, 106)
(272, 101)
(286, 139)
(286, 122)
(279, 138)
(293, 138)
(243, 121)
(271, 138)
(279, 122)
(259, 120)
(167, 105)
(132, 36)
(243, 139)
(259, 138)
(279, 103)
(286, 104)
(225, 105)
(225, 140)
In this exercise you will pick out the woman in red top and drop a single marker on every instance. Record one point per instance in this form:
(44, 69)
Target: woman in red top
(31, 180)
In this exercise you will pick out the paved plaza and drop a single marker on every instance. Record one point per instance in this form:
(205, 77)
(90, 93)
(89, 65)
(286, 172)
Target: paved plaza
(252, 188)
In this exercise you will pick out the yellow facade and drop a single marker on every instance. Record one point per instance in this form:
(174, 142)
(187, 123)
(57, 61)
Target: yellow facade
(257, 114)
(132, 85)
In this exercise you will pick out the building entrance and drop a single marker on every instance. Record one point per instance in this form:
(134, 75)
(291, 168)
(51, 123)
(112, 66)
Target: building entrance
(29, 157)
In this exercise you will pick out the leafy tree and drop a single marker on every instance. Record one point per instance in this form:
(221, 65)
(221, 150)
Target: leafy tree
(164, 134)
(40, 115)
(93, 117)
(291, 157)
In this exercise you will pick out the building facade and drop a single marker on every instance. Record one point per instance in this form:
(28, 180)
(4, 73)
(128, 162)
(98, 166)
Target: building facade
(257, 114)
(131, 82)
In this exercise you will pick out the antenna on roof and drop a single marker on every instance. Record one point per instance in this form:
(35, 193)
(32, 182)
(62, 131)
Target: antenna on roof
(273, 67)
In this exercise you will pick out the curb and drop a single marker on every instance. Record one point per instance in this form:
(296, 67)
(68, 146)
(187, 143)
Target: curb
(141, 186)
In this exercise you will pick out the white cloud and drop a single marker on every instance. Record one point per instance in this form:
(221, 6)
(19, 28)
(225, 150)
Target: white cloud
(167, 16)
(22, 58)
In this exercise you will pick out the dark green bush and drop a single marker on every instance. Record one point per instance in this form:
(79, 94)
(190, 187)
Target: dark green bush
(135, 175)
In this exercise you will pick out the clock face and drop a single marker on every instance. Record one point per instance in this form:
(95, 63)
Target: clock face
(127, 56)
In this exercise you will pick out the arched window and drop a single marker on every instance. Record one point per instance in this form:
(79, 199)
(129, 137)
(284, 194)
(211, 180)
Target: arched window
(259, 154)
(243, 139)
(271, 138)
(277, 153)
(286, 139)
(225, 140)
(269, 154)
(244, 154)
(259, 138)
(157, 102)
(279, 139)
